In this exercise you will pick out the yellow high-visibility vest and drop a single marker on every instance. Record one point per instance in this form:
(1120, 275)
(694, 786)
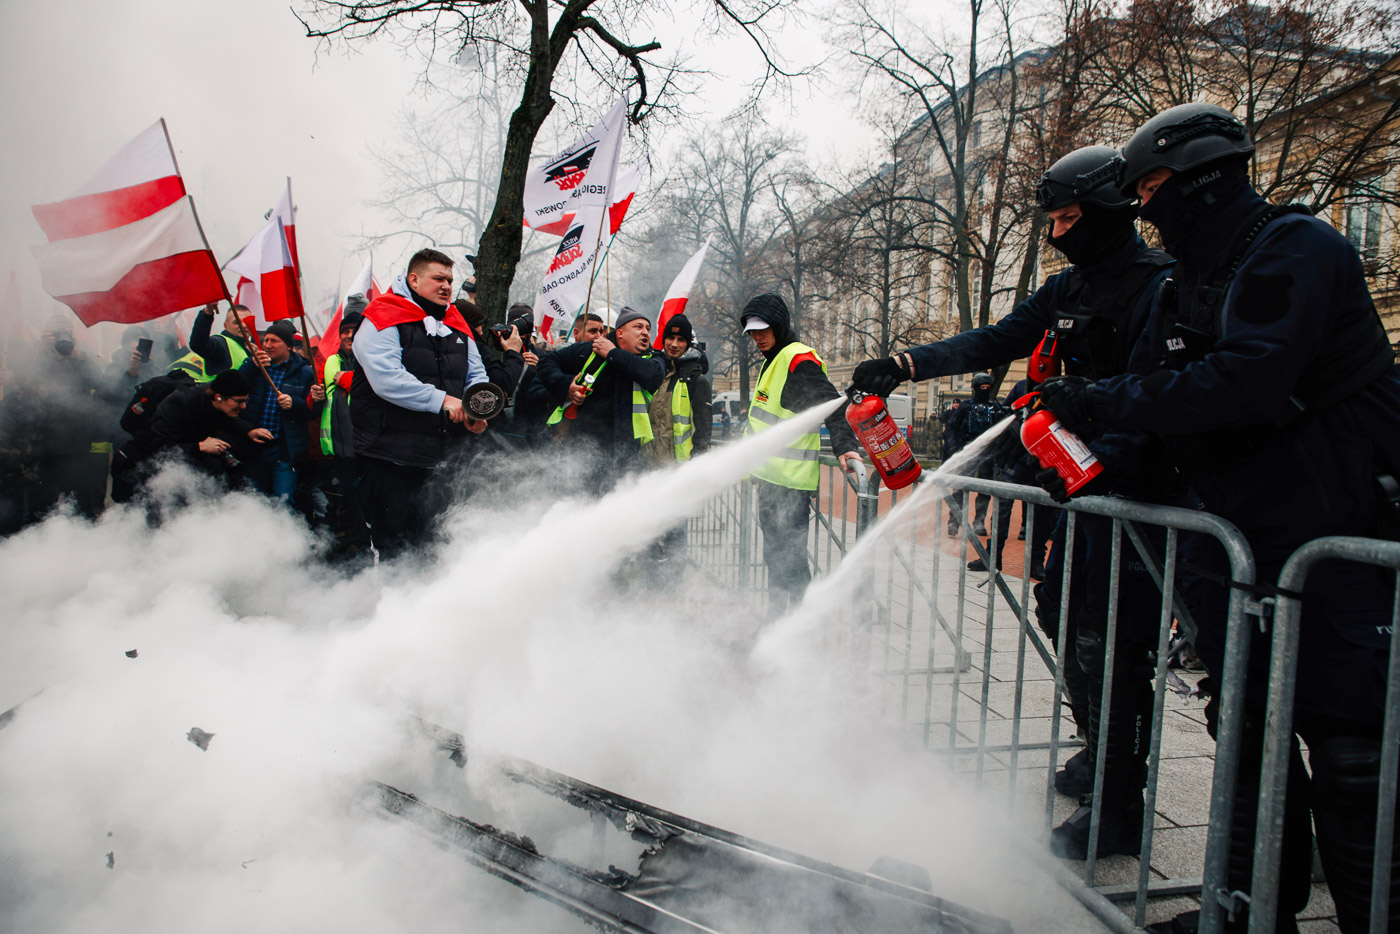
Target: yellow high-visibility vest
(797, 466)
(193, 364)
(682, 421)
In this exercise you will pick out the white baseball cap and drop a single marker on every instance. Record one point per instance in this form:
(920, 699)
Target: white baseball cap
(756, 324)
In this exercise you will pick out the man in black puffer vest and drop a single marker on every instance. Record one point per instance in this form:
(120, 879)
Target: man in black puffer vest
(415, 357)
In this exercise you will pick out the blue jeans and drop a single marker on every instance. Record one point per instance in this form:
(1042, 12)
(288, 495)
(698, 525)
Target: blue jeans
(274, 477)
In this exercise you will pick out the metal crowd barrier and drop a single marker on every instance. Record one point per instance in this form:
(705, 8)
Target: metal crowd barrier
(932, 632)
(1283, 666)
(934, 658)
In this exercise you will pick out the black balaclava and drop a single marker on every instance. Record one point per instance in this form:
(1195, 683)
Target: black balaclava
(982, 392)
(1098, 234)
(1182, 200)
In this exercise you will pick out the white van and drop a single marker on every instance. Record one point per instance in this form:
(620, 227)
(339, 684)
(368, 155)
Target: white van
(727, 401)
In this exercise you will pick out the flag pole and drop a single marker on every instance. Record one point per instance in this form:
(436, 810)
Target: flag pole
(248, 338)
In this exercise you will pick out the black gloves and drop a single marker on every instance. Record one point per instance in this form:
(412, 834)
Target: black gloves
(1051, 482)
(879, 377)
(1071, 398)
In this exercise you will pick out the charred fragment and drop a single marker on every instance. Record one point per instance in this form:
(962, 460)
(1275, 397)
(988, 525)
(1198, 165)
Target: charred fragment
(693, 876)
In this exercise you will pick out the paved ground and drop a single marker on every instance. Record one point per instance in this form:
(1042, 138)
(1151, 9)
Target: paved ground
(922, 689)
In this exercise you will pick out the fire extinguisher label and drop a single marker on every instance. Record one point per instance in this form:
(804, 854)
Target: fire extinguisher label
(1072, 446)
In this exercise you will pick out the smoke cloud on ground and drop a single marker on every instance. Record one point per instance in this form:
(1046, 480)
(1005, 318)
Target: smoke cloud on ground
(524, 636)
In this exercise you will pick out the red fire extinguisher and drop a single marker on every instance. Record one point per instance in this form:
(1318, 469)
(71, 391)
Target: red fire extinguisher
(1055, 446)
(883, 441)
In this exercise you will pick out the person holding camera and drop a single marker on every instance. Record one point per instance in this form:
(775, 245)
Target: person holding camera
(204, 426)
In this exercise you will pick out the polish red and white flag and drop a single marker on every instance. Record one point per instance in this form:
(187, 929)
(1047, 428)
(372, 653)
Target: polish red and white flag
(267, 280)
(679, 292)
(127, 245)
(553, 189)
(624, 190)
(287, 212)
(365, 285)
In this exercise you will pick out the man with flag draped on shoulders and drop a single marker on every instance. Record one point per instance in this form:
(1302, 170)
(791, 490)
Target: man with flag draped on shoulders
(415, 358)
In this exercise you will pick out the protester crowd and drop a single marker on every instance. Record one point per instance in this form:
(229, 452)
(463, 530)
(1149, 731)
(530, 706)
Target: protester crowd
(1242, 369)
(257, 412)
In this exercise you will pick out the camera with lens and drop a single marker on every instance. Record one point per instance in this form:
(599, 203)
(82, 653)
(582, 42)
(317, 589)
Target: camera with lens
(525, 327)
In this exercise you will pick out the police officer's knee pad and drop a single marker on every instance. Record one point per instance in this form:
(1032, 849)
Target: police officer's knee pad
(1089, 649)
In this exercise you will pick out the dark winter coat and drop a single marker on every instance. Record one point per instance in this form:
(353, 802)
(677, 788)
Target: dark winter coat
(213, 349)
(605, 416)
(293, 440)
(185, 418)
(1281, 482)
(1137, 464)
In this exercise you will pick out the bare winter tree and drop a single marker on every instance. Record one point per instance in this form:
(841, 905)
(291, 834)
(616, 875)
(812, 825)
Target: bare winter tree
(966, 95)
(725, 189)
(544, 45)
(882, 226)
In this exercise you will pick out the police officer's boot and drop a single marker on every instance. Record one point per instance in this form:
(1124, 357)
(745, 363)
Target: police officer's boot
(1127, 727)
(1346, 777)
(1077, 777)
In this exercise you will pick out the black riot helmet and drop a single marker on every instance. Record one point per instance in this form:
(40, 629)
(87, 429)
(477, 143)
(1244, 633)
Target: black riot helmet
(981, 387)
(1087, 175)
(1182, 138)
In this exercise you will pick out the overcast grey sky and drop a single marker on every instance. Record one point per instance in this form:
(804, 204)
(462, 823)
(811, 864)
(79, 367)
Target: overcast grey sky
(249, 100)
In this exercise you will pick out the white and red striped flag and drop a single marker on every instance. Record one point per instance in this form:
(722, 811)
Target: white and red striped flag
(287, 212)
(679, 292)
(267, 281)
(127, 245)
(624, 190)
(365, 285)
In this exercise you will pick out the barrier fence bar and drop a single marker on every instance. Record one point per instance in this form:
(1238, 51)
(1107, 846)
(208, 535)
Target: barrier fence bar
(918, 569)
(1273, 780)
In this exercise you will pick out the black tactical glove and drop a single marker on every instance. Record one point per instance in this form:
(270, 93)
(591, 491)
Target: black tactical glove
(1051, 482)
(1071, 398)
(880, 377)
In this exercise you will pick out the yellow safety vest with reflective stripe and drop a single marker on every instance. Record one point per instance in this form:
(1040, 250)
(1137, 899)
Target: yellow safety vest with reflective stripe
(796, 467)
(641, 418)
(328, 384)
(682, 421)
(193, 364)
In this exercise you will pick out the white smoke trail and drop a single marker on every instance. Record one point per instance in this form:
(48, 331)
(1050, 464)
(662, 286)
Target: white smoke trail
(829, 595)
(305, 679)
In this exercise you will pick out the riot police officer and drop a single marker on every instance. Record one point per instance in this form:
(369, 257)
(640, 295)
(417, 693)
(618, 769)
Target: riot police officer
(1086, 319)
(1267, 369)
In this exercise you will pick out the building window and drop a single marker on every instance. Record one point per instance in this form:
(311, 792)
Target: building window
(974, 134)
(1363, 218)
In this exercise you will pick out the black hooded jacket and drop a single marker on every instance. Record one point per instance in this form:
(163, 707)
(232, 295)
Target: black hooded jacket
(807, 385)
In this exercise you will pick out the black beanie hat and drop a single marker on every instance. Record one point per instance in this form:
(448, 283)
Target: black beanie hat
(471, 314)
(351, 320)
(230, 383)
(284, 330)
(679, 325)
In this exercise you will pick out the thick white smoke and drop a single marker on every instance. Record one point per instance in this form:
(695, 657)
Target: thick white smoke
(306, 680)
